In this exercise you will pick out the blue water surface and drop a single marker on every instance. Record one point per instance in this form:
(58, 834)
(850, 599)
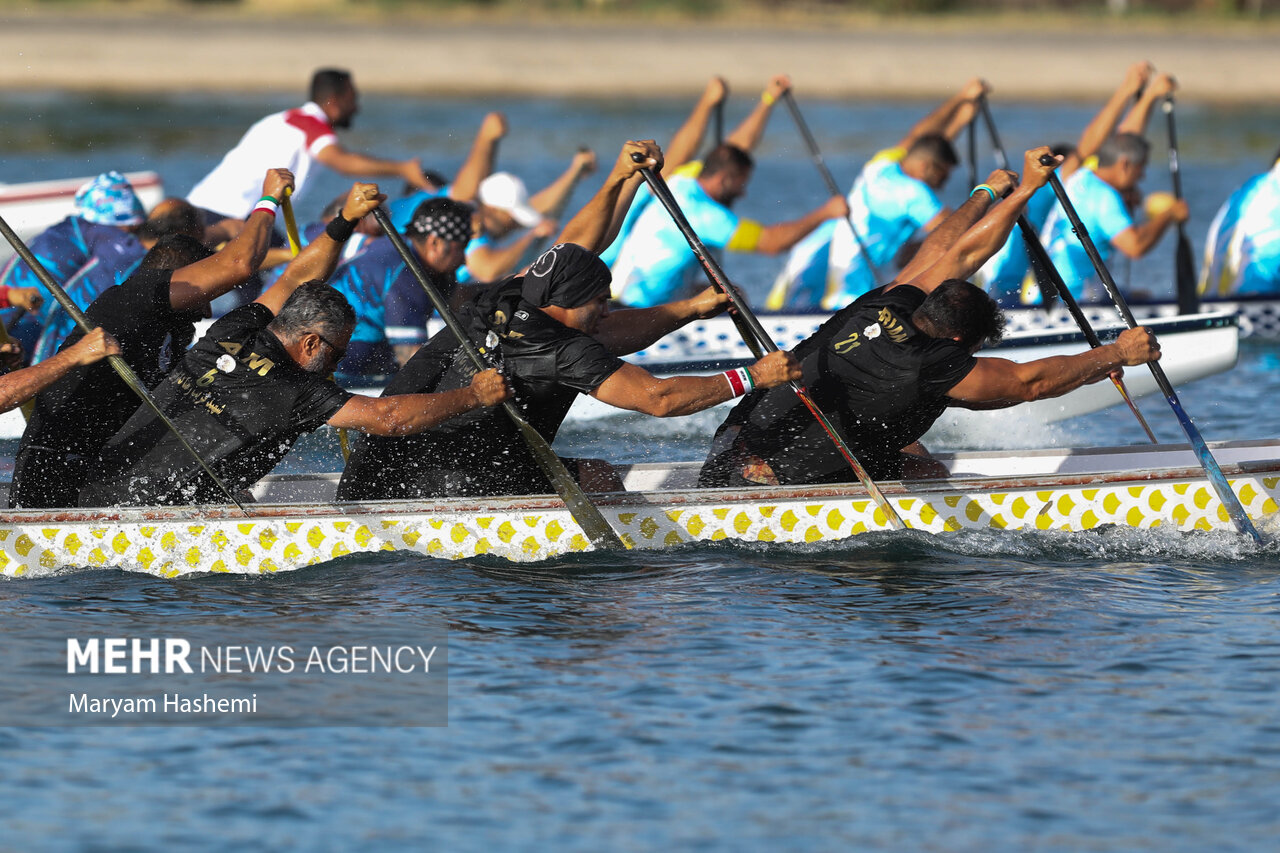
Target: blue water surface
(1113, 690)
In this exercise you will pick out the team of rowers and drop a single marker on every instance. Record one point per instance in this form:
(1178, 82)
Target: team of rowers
(898, 351)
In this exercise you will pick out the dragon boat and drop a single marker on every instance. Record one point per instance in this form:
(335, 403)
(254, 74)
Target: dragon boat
(295, 522)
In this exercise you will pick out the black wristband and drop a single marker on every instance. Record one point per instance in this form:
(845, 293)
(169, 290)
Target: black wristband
(339, 229)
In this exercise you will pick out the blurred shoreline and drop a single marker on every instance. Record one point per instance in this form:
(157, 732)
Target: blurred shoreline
(163, 49)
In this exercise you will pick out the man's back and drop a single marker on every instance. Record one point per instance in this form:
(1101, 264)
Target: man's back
(655, 264)
(881, 380)
(285, 140)
(241, 401)
(1104, 214)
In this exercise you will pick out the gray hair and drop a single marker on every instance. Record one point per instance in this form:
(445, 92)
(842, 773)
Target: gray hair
(1123, 146)
(314, 307)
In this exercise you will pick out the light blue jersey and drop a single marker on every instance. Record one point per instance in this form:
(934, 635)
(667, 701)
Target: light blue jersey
(655, 264)
(1242, 253)
(1103, 212)
(888, 207)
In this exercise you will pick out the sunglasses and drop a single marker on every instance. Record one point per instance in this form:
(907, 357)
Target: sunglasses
(337, 350)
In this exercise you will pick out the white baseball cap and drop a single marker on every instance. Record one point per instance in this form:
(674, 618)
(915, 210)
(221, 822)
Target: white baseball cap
(506, 192)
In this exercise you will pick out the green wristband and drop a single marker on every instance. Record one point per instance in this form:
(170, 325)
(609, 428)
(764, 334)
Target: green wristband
(271, 199)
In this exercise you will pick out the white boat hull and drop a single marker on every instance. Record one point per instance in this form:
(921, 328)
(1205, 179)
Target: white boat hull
(1141, 487)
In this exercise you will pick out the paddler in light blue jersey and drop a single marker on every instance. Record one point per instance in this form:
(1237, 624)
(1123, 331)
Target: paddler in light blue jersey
(1007, 276)
(1242, 253)
(655, 264)
(893, 204)
(1102, 198)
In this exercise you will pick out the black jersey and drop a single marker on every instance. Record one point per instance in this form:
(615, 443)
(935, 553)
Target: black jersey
(76, 415)
(481, 452)
(880, 380)
(238, 397)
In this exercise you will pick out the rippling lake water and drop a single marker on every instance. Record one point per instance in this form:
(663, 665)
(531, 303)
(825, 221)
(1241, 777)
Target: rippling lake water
(1105, 691)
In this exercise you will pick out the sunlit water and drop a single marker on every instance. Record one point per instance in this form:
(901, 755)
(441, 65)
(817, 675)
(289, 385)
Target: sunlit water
(1112, 690)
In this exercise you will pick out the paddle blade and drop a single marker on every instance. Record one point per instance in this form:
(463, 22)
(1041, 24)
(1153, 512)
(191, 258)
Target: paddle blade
(1185, 270)
(593, 523)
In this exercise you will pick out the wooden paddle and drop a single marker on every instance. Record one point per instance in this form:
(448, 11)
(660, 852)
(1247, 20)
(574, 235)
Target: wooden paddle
(1210, 465)
(588, 516)
(117, 363)
(758, 340)
(1048, 277)
(1184, 260)
(815, 154)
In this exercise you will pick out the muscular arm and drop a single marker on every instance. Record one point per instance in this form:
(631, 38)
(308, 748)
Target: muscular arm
(480, 159)
(782, 236)
(684, 145)
(1137, 240)
(994, 382)
(596, 224)
(637, 390)
(406, 414)
(1162, 85)
(1096, 132)
(551, 200)
(943, 120)
(318, 259)
(747, 134)
(984, 239)
(356, 165)
(630, 329)
(21, 385)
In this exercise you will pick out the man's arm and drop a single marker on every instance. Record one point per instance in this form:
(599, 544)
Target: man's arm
(489, 263)
(944, 119)
(782, 236)
(597, 223)
(984, 239)
(356, 165)
(552, 200)
(480, 159)
(1136, 241)
(318, 260)
(688, 139)
(747, 134)
(628, 330)
(1161, 86)
(406, 414)
(21, 385)
(195, 285)
(995, 382)
(637, 390)
(1097, 131)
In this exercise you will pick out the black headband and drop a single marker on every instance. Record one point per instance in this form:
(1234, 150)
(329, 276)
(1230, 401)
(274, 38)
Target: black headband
(566, 275)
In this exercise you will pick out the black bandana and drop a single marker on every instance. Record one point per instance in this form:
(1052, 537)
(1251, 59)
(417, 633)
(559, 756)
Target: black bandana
(566, 275)
(447, 219)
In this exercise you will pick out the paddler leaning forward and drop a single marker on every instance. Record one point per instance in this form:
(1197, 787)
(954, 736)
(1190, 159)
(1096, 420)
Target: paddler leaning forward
(556, 339)
(887, 365)
(256, 382)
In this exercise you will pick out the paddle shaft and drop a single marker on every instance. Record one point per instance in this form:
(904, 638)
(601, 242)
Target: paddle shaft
(117, 363)
(815, 154)
(588, 516)
(1184, 259)
(1210, 465)
(759, 341)
(1048, 276)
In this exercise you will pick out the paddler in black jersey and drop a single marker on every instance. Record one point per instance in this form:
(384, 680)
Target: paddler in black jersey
(256, 382)
(555, 338)
(887, 365)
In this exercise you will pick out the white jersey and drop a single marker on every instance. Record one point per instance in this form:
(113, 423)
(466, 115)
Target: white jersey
(287, 140)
